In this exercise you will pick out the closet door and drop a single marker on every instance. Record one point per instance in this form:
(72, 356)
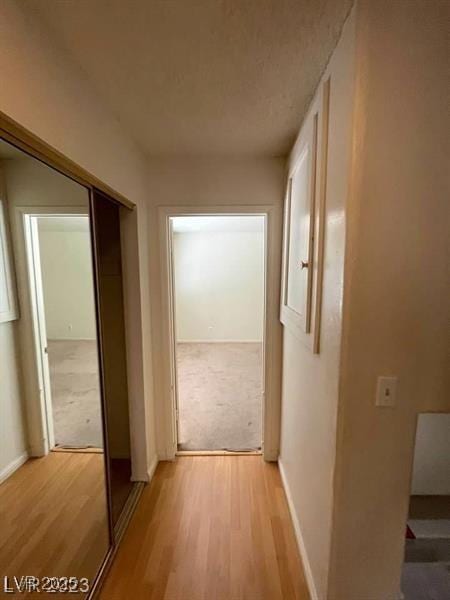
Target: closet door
(304, 226)
(296, 305)
(108, 259)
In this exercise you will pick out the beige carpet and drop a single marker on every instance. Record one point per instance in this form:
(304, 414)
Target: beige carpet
(219, 396)
(75, 392)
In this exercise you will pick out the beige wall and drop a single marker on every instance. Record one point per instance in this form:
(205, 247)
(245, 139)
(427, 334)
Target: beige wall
(48, 94)
(31, 183)
(431, 467)
(13, 437)
(219, 285)
(396, 309)
(310, 381)
(208, 182)
(13, 433)
(67, 278)
(28, 182)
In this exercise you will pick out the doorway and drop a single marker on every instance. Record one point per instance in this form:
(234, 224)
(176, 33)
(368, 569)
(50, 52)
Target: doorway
(426, 567)
(218, 275)
(59, 258)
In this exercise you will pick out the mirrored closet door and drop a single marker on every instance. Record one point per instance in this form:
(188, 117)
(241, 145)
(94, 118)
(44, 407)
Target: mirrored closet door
(65, 463)
(108, 255)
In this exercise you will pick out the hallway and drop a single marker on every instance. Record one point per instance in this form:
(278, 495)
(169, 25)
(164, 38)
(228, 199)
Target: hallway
(210, 528)
(223, 258)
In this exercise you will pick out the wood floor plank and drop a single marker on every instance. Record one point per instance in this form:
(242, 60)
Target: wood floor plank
(53, 519)
(210, 528)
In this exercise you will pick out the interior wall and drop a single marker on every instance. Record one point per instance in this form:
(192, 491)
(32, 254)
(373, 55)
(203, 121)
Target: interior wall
(219, 286)
(431, 467)
(68, 114)
(310, 381)
(66, 264)
(31, 183)
(12, 415)
(396, 312)
(208, 182)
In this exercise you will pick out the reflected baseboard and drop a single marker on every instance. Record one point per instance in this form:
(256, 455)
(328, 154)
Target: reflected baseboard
(77, 450)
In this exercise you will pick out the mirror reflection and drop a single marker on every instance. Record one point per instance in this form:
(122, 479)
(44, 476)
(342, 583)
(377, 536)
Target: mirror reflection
(53, 498)
(112, 327)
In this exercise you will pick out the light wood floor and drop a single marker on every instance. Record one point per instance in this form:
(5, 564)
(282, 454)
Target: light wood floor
(53, 518)
(209, 528)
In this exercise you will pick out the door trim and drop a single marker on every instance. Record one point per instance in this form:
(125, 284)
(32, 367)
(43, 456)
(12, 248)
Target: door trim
(32, 322)
(39, 322)
(271, 397)
(23, 138)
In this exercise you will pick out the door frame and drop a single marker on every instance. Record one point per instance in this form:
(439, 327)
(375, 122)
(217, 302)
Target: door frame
(271, 352)
(33, 331)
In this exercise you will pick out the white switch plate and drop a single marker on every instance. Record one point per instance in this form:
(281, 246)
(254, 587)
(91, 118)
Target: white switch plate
(386, 391)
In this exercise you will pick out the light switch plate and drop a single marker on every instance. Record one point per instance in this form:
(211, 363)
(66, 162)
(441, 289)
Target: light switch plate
(386, 391)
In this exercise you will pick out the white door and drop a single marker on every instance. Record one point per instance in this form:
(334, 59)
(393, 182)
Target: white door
(299, 233)
(173, 338)
(39, 329)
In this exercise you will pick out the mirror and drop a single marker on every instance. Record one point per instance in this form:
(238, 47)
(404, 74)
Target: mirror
(106, 223)
(54, 517)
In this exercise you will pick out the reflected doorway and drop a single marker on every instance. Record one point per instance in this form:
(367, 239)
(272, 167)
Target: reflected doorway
(61, 255)
(54, 517)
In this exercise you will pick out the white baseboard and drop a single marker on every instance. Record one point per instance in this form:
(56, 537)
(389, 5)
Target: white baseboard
(152, 469)
(13, 466)
(298, 535)
(146, 476)
(219, 342)
(38, 450)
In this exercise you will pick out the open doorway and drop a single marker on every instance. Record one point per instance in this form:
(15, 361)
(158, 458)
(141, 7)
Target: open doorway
(426, 568)
(218, 289)
(59, 258)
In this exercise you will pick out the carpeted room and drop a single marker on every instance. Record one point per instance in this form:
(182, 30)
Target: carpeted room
(218, 267)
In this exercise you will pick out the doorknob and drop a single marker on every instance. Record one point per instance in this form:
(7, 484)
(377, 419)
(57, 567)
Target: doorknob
(304, 265)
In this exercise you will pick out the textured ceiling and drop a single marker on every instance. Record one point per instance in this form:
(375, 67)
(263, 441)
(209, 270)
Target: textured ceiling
(201, 77)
